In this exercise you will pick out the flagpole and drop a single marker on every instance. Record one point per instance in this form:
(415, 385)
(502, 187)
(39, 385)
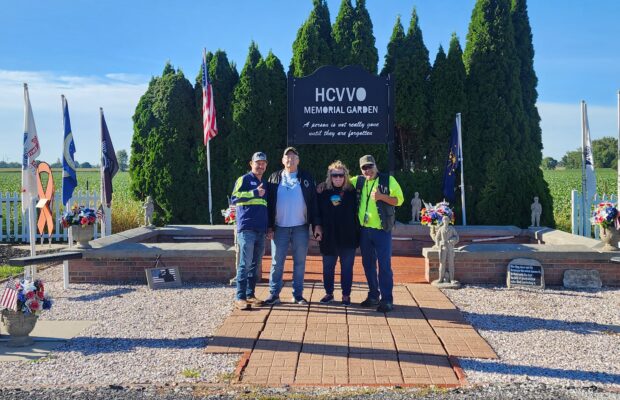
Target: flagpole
(584, 195)
(101, 194)
(618, 158)
(458, 128)
(209, 175)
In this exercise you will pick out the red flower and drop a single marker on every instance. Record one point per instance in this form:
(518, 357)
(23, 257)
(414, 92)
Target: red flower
(29, 295)
(40, 295)
(34, 306)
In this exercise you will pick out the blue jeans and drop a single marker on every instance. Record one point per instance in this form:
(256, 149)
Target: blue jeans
(251, 249)
(298, 236)
(376, 245)
(347, 256)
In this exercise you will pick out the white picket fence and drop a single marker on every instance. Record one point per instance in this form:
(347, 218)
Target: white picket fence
(13, 230)
(577, 227)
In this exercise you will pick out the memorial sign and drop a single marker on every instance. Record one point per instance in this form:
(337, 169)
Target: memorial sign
(162, 276)
(525, 272)
(340, 106)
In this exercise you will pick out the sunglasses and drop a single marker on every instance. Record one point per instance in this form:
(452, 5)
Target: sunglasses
(368, 166)
(337, 175)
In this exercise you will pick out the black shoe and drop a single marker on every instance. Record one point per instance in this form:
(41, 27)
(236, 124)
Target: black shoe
(271, 300)
(385, 307)
(369, 303)
(346, 300)
(328, 298)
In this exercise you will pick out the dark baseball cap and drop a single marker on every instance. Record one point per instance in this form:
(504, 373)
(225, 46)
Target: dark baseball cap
(294, 150)
(259, 156)
(367, 160)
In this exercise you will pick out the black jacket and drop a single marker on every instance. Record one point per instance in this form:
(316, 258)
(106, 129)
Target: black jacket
(340, 222)
(308, 188)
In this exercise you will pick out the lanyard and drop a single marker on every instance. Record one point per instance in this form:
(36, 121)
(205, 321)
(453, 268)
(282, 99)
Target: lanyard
(368, 198)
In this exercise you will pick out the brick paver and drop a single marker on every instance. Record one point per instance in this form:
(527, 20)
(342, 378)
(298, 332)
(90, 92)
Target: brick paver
(330, 344)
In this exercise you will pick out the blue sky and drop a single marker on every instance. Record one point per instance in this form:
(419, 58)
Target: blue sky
(102, 54)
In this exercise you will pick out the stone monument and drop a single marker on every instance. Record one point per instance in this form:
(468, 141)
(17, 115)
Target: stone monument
(536, 212)
(148, 207)
(416, 206)
(446, 238)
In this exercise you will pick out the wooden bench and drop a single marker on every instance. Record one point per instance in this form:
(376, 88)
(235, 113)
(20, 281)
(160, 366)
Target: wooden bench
(63, 256)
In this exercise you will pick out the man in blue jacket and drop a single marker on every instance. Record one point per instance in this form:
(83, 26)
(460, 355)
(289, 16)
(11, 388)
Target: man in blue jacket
(250, 200)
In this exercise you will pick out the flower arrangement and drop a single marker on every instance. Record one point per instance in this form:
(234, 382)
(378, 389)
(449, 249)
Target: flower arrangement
(229, 215)
(31, 297)
(79, 215)
(431, 215)
(606, 215)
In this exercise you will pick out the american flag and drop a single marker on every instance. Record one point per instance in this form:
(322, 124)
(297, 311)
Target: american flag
(9, 296)
(209, 124)
(100, 213)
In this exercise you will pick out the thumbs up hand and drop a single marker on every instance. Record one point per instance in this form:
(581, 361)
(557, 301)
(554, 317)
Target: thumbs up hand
(261, 190)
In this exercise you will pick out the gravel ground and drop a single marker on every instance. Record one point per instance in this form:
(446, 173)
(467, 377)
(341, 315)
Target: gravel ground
(140, 336)
(555, 336)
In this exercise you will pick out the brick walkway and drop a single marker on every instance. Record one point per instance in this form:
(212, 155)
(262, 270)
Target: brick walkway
(317, 344)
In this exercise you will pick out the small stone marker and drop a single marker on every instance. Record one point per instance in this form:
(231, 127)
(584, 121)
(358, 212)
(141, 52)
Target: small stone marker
(525, 272)
(582, 279)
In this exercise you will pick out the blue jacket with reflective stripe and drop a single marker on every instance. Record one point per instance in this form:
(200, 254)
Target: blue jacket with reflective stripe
(251, 209)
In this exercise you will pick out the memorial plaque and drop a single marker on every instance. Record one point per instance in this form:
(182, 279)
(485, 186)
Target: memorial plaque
(525, 272)
(163, 277)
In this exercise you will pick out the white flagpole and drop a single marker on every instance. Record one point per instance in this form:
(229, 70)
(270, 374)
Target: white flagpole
(618, 198)
(209, 174)
(102, 224)
(458, 129)
(584, 194)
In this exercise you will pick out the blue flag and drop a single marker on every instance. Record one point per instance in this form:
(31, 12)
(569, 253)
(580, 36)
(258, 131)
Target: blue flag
(452, 163)
(69, 176)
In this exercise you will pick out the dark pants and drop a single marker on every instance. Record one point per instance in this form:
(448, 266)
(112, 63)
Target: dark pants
(376, 247)
(347, 256)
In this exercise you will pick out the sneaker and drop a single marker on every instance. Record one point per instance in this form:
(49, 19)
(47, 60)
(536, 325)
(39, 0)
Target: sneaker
(299, 300)
(254, 301)
(271, 300)
(242, 304)
(328, 298)
(385, 307)
(369, 303)
(346, 300)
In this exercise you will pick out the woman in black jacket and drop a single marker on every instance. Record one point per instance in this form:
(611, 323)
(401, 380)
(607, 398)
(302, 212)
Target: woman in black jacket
(338, 214)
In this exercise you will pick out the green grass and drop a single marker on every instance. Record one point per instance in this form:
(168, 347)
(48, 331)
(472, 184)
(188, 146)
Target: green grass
(191, 373)
(7, 271)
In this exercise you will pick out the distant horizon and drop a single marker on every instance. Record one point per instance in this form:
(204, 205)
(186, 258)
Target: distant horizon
(95, 66)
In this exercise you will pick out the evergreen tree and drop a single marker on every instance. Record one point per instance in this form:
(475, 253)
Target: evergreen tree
(313, 46)
(532, 148)
(223, 77)
(412, 69)
(502, 183)
(440, 93)
(164, 153)
(394, 48)
(343, 35)
(363, 46)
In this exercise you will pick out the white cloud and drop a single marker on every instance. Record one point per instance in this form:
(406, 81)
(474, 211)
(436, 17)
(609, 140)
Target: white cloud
(561, 126)
(118, 94)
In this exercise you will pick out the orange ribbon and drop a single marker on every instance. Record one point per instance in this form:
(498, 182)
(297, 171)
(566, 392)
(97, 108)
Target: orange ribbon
(46, 199)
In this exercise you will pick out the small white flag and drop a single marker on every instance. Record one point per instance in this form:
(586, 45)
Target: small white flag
(32, 149)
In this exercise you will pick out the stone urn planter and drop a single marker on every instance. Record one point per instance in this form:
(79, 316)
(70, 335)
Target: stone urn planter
(609, 237)
(82, 235)
(433, 233)
(19, 326)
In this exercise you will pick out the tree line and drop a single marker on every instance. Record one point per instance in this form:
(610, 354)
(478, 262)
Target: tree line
(492, 83)
(604, 150)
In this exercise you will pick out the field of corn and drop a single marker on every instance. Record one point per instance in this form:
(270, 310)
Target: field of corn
(127, 212)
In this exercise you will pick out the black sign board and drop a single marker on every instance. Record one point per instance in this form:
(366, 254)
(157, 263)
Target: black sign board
(524, 272)
(340, 106)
